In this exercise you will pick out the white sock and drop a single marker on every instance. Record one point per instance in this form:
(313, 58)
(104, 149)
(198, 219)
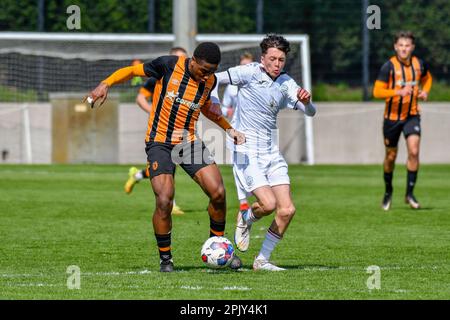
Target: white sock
(268, 245)
(250, 217)
(174, 203)
(139, 175)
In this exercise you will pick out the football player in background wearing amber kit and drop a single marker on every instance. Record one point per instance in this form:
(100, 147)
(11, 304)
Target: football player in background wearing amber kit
(402, 81)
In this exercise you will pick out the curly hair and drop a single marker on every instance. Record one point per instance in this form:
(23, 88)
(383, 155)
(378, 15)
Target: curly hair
(273, 40)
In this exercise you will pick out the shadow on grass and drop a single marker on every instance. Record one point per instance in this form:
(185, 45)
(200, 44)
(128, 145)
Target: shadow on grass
(250, 268)
(208, 270)
(410, 210)
(306, 267)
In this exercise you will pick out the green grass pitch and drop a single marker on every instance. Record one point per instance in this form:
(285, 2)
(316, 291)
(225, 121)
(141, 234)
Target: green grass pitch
(52, 217)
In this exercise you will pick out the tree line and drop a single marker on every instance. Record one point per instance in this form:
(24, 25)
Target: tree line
(334, 26)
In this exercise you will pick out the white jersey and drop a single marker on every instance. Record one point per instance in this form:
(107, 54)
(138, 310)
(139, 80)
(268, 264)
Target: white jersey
(259, 100)
(229, 98)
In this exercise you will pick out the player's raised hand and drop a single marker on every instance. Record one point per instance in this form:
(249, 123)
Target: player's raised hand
(100, 92)
(238, 137)
(303, 96)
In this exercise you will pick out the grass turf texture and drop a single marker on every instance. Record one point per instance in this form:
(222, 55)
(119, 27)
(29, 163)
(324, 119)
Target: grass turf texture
(52, 217)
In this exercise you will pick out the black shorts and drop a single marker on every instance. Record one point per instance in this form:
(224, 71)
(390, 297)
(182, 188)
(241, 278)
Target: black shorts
(393, 129)
(162, 158)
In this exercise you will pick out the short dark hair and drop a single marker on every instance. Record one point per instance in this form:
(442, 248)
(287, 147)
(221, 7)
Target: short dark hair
(273, 40)
(404, 34)
(208, 51)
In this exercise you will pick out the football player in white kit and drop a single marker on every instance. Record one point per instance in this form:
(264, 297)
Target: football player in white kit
(229, 103)
(258, 166)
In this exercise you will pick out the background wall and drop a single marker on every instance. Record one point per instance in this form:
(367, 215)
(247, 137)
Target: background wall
(344, 133)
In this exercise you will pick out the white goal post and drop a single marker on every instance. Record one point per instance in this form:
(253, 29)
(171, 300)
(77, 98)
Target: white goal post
(35, 43)
(16, 122)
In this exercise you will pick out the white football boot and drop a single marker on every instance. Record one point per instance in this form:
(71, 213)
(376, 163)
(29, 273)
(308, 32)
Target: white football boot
(262, 264)
(242, 233)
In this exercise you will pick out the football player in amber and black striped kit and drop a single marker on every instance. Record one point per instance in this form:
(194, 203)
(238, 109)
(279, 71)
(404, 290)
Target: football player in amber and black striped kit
(142, 99)
(403, 80)
(181, 92)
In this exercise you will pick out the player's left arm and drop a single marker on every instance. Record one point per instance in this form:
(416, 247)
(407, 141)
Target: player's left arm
(299, 98)
(425, 82)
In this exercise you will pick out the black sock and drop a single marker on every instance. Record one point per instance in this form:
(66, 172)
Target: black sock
(411, 182)
(216, 228)
(388, 181)
(163, 241)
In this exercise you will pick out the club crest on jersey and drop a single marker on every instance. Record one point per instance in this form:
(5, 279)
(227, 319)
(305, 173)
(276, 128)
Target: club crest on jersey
(171, 95)
(273, 103)
(284, 89)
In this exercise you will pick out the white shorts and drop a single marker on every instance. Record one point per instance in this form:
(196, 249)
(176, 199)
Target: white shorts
(241, 193)
(252, 170)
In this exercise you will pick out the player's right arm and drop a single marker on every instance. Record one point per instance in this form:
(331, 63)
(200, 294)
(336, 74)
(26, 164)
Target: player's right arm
(239, 76)
(381, 88)
(156, 68)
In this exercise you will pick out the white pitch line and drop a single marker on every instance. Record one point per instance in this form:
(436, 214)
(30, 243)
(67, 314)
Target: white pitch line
(115, 273)
(299, 268)
(237, 288)
(34, 285)
(191, 287)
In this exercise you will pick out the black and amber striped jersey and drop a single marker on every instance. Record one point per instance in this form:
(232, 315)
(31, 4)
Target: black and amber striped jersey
(177, 100)
(397, 75)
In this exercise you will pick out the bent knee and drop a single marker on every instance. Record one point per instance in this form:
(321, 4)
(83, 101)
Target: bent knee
(164, 202)
(391, 155)
(268, 205)
(218, 196)
(286, 213)
(413, 154)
